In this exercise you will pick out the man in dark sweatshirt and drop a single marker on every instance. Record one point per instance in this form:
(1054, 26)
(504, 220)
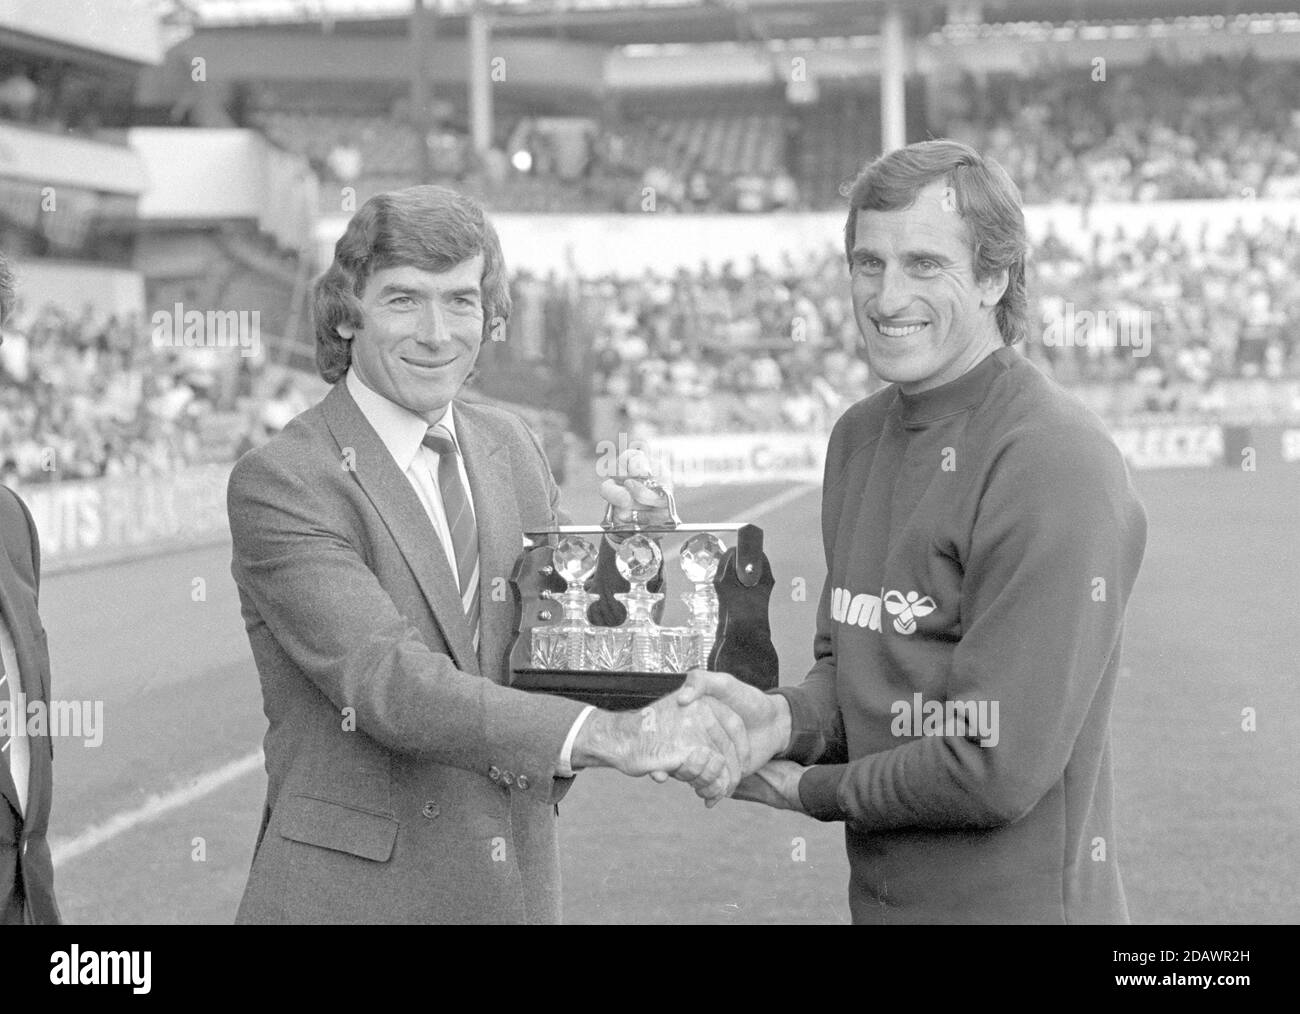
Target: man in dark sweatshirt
(982, 538)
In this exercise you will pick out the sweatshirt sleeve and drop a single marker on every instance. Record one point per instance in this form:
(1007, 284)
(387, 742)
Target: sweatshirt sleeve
(1054, 549)
(816, 725)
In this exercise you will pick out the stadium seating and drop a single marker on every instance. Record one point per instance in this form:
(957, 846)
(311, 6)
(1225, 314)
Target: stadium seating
(714, 351)
(730, 146)
(1220, 128)
(83, 396)
(698, 352)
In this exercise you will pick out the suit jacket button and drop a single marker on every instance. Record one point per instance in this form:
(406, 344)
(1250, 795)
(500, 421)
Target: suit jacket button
(494, 773)
(430, 810)
(522, 781)
(508, 777)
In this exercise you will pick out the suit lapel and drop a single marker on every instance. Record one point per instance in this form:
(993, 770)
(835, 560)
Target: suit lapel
(7, 788)
(408, 524)
(33, 663)
(496, 512)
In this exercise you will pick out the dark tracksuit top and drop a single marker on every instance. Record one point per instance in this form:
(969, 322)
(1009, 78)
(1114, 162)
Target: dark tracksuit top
(982, 539)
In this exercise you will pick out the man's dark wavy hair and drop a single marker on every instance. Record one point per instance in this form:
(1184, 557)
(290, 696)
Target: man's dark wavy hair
(427, 227)
(983, 195)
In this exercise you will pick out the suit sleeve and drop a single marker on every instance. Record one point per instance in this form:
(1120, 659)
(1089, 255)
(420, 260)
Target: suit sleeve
(337, 624)
(1054, 551)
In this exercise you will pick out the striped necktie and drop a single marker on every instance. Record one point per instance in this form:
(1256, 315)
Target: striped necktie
(460, 521)
(10, 717)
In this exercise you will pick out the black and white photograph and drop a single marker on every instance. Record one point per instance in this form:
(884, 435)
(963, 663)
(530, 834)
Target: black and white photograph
(650, 463)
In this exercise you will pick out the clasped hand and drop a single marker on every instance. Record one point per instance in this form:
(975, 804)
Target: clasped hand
(756, 726)
(716, 733)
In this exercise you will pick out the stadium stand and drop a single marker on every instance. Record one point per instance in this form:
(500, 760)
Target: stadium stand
(702, 351)
(1216, 128)
(1219, 127)
(717, 351)
(87, 396)
(705, 350)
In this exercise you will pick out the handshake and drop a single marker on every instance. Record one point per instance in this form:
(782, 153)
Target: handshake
(716, 733)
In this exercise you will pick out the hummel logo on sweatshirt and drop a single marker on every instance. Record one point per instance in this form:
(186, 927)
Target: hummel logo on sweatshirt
(864, 610)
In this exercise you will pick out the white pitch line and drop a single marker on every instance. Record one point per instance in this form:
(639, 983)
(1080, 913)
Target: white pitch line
(208, 783)
(154, 807)
(772, 503)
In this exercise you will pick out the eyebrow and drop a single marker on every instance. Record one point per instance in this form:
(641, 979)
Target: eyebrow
(909, 255)
(398, 289)
(395, 289)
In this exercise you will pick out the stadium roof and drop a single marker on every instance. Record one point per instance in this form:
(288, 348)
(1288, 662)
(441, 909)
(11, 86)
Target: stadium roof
(624, 22)
(116, 30)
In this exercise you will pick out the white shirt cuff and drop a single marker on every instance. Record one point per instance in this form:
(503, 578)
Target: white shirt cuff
(565, 767)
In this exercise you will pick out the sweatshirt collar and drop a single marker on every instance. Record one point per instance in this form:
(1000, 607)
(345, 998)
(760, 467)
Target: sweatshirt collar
(401, 430)
(957, 395)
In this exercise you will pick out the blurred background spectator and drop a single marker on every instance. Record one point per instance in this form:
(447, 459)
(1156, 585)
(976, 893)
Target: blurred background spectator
(699, 351)
(84, 396)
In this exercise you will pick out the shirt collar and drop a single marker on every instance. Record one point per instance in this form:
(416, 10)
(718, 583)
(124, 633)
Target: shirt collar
(401, 430)
(957, 395)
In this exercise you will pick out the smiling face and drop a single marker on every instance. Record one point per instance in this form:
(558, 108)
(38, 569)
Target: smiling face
(924, 316)
(420, 335)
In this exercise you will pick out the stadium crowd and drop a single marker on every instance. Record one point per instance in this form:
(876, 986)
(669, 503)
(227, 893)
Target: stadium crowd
(1169, 319)
(86, 396)
(699, 351)
(1219, 128)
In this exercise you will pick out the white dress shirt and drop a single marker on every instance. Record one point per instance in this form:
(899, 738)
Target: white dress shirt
(402, 432)
(19, 754)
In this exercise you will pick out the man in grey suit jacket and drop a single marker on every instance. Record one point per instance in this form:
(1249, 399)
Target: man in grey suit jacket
(26, 761)
(406, 783)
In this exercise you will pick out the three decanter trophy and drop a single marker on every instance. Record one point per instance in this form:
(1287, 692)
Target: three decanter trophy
(696, 597)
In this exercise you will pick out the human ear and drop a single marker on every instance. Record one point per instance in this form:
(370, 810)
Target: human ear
(993, 287)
